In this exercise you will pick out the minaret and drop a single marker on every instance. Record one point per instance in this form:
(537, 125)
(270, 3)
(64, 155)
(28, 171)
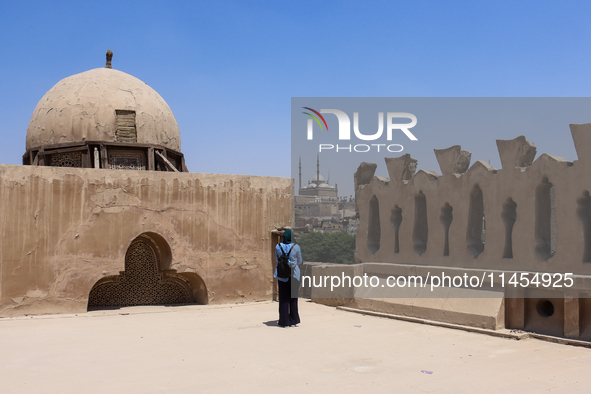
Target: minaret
(300, 174)
(318, 169)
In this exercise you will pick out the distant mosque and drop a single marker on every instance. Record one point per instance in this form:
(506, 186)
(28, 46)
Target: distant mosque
(318, 186)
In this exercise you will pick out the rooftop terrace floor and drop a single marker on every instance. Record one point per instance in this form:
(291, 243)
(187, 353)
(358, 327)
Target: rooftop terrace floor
(238, 348)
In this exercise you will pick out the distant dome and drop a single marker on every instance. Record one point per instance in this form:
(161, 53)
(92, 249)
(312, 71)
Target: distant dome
(83, 107)
(316, 179)
(325, 185)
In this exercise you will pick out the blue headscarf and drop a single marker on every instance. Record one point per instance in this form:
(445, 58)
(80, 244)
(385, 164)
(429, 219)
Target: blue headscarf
(287, 237)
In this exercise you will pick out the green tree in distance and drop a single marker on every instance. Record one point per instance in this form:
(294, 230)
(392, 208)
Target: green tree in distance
(336, 248)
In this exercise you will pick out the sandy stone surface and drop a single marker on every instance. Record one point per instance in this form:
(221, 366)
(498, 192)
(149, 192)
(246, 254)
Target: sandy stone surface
(238, 348)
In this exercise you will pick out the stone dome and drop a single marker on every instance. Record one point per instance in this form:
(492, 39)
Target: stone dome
(319, 179)
(83, 107)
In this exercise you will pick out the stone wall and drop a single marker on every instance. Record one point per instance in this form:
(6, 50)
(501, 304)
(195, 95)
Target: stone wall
(64, 229)
(530, 216)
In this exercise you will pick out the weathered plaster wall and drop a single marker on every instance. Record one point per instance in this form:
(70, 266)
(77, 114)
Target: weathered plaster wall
(63, 229)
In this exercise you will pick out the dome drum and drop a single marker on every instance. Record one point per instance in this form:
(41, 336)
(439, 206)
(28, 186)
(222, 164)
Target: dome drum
(100, 154)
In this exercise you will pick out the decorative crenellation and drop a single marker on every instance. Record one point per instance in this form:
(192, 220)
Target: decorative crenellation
(528, 215)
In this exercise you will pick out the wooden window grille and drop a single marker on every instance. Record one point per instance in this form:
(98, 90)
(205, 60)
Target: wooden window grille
(125, 124)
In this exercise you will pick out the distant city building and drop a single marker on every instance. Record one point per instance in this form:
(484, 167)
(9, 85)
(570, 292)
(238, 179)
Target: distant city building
(318, 186)
(319, 209)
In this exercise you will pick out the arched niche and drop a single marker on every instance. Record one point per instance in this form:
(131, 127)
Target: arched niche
(420, 231)
(396, 221)
(584, 213)
(509, 216)
(545, 223)
(446, 218)
(148, 279)
(475, 233)
(374, 231)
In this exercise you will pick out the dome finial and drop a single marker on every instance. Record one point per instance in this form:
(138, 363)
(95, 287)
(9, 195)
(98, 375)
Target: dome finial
(109, 57)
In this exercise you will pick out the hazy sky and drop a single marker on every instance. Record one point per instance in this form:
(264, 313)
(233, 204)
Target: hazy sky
(475, 123)
(228, 69)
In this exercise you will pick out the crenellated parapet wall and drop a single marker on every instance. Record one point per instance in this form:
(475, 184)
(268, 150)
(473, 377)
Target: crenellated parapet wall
(527, 216)
(527, 219)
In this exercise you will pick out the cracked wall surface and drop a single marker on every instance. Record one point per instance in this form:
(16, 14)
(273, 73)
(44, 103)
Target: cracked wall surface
(63, 229)
(82, 108)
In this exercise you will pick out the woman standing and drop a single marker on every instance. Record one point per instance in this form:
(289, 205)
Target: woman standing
(289, 287)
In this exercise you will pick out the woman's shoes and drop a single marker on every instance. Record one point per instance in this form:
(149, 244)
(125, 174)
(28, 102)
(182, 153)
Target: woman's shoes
(291, 325)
